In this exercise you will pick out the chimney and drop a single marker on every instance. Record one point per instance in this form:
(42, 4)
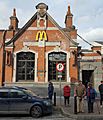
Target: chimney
(68, 18)
(13, 21)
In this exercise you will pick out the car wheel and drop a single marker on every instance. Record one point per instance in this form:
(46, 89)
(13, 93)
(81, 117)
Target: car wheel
(36, 111)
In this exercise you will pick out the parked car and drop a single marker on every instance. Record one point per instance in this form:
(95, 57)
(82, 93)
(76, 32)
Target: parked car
(18, 100)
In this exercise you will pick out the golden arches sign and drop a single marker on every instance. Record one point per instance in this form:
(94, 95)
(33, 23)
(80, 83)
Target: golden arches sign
(41, 35)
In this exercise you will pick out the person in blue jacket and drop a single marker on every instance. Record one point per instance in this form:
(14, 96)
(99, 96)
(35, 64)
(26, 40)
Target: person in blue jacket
(50, 90)
(101, 93)
(91, 95)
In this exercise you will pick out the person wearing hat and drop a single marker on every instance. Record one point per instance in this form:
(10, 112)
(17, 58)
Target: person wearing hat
(80, 92)
(91, 94)
(101, 93)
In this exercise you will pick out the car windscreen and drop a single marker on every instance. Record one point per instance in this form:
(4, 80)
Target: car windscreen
(29, 92)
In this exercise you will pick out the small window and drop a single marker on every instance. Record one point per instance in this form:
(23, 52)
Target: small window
(3, 93)
(8, 58)
(16, 93)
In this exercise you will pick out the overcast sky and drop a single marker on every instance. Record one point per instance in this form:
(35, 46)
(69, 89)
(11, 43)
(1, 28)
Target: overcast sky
(87, 15)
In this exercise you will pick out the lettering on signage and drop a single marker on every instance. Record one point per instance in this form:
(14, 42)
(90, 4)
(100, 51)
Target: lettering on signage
(41, 35)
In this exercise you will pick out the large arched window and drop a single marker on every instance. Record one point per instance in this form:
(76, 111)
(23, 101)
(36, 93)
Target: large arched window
(53, 59)
(25, 66)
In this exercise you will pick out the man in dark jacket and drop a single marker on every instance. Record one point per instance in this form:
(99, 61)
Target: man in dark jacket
(50, 90)
(101, 92)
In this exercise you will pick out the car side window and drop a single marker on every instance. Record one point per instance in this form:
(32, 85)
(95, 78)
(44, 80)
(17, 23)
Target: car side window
(4, 93)
(16, 93)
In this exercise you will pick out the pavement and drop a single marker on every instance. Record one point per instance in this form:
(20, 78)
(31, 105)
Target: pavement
(69, 110)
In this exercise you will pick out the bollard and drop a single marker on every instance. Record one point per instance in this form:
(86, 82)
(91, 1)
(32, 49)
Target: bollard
(54, 98)
(75, 104)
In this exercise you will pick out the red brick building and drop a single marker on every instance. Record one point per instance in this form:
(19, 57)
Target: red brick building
(30, 54)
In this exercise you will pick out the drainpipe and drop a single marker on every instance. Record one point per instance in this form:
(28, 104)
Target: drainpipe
(13, 55)
(3, 58)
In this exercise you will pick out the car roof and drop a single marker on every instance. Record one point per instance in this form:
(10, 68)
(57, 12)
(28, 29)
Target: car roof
(13, 87)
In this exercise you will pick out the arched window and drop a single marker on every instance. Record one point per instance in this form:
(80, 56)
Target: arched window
(53, 59)
(25, 66)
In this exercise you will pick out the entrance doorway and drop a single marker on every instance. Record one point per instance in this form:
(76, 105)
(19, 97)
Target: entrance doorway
(87, 76)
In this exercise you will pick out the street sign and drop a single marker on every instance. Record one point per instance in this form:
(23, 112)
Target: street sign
(59, 76)
(60, 67)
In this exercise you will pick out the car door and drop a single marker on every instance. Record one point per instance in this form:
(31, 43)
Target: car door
(18, 104)
(4, 104)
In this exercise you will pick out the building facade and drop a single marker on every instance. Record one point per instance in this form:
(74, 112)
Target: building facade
(31, 54)
(91, 64)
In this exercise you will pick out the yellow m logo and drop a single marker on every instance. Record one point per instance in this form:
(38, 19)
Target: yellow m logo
(41, 35)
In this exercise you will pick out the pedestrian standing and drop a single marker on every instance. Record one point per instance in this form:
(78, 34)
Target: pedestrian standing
(50, 90)
(66, 93)
(80, 92)
(91, 94)
(101, 93)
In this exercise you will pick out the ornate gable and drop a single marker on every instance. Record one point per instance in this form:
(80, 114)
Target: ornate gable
(41, 15)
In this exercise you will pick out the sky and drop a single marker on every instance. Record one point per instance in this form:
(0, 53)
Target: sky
(87, 15)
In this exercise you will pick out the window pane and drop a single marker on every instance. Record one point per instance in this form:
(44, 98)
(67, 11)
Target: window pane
(3, 93)
(16, 94)
(25, 66)
(53, 59)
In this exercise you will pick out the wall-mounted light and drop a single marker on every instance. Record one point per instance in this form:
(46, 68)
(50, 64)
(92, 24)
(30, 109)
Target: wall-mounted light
(98, 52)
(80, 53)
(74, 52)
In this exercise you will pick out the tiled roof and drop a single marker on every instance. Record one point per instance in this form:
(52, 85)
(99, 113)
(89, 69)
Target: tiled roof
(100, 42)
